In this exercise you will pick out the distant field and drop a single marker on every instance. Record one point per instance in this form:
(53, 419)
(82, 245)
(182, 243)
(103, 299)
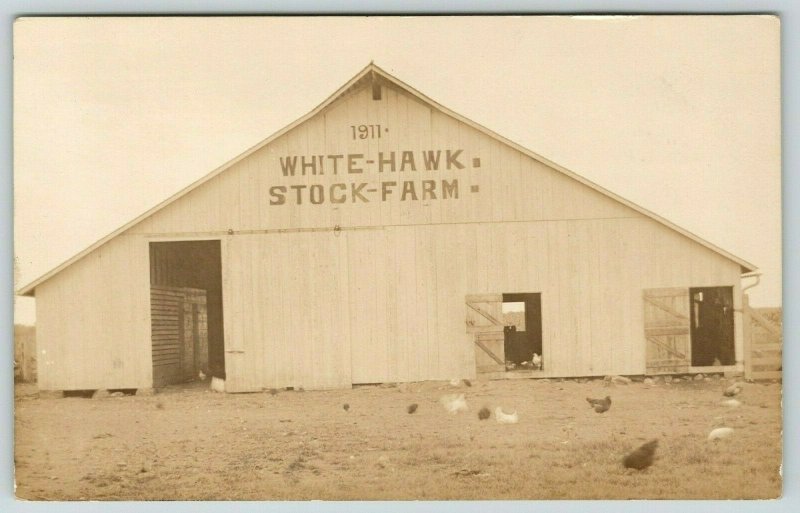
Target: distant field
(189, 443)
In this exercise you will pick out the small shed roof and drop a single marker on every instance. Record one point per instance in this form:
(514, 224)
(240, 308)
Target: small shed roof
(372, 71)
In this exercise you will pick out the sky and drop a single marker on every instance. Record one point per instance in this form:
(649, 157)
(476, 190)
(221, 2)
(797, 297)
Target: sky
(680, 115)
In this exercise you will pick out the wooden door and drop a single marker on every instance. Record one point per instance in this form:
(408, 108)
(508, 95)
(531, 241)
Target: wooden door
(485, 324)
(179, 330)
(166, 318)
(666, 330)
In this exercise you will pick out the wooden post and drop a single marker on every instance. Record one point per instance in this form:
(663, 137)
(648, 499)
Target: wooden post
(748, 337)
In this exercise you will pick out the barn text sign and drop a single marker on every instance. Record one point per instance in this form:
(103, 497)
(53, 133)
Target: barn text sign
(408, 177)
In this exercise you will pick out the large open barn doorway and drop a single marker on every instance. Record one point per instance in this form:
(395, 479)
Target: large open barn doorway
(711, 321)
(186, 310)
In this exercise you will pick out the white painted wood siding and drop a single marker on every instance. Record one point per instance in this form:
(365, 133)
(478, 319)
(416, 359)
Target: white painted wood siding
(383, 299)
(93, 321)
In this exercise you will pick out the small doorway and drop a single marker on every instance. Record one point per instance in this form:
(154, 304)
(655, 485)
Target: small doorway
(522, 319)
(711, 326)
(186, 310)
(506, 330)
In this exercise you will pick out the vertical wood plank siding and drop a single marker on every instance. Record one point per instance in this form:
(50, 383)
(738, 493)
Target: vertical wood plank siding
(93, 321)
(382, 299)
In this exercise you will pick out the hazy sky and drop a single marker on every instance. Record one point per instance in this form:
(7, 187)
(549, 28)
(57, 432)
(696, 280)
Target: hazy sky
(680, 115)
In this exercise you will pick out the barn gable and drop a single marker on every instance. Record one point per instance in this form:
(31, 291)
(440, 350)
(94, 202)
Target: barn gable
(427, 168)
(424, 165)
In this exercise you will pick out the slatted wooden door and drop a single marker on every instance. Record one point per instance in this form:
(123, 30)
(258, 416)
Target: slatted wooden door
(179, 318)
(666, 330)
(166, 317)
(485, 324)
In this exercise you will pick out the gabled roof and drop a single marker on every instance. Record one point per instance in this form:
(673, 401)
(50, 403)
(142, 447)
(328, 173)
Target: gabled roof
(372, 71)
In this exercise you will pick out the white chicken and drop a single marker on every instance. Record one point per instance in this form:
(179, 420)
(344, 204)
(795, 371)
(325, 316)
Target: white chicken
(505, 418)
(217, 384)
(536, 361)
(201, 376)
(454, 403)
(720, 433)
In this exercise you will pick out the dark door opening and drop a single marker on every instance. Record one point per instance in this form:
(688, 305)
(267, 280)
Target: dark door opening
(522, 316)
(186, 310)
(711, 318)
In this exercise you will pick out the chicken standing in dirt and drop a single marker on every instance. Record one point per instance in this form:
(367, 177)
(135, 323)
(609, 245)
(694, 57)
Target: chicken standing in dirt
(600, 405)
(732, 390)
(642, 457)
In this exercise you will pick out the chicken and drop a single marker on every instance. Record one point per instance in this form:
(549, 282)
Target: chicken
(732, 390)
(457, 382)
(720, 433)
(201, 376)
(536, 361)
(484, 413)
(600, 405)
(503, 418)
(412, 408)
(592, 402)
(217, 384)
(454, 403)
(642, 457)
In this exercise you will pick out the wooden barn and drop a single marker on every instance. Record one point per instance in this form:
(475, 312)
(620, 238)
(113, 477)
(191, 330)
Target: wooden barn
(385, 238)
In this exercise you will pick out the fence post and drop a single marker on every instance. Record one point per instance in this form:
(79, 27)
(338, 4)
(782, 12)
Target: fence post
(748, 337)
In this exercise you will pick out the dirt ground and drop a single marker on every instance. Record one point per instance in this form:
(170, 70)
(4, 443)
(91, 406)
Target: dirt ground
(190, 443)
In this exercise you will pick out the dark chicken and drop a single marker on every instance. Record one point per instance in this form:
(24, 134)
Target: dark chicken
(600, 405)
(642, 457)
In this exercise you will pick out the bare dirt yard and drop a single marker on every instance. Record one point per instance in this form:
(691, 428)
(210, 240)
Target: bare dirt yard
(190, 443)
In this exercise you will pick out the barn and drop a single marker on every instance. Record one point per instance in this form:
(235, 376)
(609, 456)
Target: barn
(385, 238)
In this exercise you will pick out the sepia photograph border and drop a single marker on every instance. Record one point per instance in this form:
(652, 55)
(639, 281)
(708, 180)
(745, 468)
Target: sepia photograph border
(790, 83)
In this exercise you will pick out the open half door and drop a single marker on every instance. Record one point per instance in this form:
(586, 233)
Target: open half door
(666, 330)
(485, 325)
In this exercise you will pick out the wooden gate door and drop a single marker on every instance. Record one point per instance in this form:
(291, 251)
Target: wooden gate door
(179, 330)
(165, 318)
(666, 330)
(484, 322)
